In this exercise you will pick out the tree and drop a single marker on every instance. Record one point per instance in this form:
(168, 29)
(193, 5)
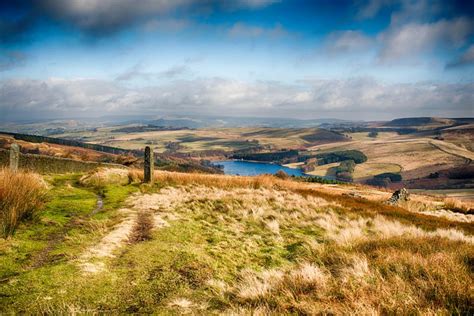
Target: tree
(373, 134)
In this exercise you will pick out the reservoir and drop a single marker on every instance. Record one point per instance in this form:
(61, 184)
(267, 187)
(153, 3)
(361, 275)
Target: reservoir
(251, 168)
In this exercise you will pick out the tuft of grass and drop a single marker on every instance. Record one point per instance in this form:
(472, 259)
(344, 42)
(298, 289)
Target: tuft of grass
(459, 206)
(22, 195)
(102, 177)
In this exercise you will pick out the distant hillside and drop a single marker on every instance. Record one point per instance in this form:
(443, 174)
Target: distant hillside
(420, 121)
(312, 136)
(145, 128)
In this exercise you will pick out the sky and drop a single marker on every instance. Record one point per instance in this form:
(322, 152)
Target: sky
(361, 60)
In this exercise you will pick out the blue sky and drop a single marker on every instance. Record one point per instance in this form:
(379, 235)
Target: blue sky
(375, 59)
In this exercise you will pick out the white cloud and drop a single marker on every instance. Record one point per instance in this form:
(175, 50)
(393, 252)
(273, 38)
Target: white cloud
(355, 98)
(136, 72)
(341, 42)
(409, 40)
(372, 7)
(402, 10)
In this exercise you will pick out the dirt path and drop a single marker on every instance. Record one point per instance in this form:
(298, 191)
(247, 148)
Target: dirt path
(92, 260)
(44, 256)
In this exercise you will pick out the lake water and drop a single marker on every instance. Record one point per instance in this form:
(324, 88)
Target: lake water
(250, 168)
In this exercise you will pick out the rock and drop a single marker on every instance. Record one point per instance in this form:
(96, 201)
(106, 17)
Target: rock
(397, 196)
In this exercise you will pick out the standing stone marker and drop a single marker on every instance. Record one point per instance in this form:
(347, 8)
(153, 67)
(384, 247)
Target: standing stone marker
(148, 165)
(14, 157)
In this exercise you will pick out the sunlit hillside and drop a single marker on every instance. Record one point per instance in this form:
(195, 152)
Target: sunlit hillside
(190, 243)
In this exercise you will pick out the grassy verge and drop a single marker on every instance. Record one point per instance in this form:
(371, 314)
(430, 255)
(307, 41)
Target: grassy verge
(39, 255)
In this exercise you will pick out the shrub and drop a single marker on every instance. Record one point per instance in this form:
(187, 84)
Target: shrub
(373, 134)
(394, 177)
(22, 194)
(379, 182)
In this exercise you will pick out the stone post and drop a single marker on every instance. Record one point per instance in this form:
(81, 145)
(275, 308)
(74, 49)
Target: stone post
(148, 165)
(14, 157)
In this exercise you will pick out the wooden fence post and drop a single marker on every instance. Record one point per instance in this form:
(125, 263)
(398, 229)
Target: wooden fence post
(148, 165)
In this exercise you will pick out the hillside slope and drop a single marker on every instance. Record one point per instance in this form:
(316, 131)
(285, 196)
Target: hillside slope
(214, 244)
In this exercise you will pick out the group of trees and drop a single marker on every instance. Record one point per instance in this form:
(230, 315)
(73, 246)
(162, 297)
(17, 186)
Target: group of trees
(337, 156)
(344, 170)
(279, 156)
(384, 179)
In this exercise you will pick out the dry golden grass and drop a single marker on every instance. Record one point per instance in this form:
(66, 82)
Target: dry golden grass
(221, 181)
(104, 176)
(459, 206)
(358, 263)
(22, 194)
(333, 193)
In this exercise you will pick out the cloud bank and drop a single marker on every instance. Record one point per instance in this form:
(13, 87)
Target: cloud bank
(356, 98)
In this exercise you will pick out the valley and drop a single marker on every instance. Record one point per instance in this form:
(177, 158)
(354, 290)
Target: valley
(426, 153)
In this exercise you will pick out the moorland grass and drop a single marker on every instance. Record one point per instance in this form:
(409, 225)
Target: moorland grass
(22, 195)
(238, 245)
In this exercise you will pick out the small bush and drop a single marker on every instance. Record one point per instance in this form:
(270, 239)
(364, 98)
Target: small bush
(394, 177)
(379, 182)
(22, 194)
(373, 134)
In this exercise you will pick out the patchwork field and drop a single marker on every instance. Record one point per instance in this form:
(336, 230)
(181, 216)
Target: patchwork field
(413, 157)
(226, 139)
